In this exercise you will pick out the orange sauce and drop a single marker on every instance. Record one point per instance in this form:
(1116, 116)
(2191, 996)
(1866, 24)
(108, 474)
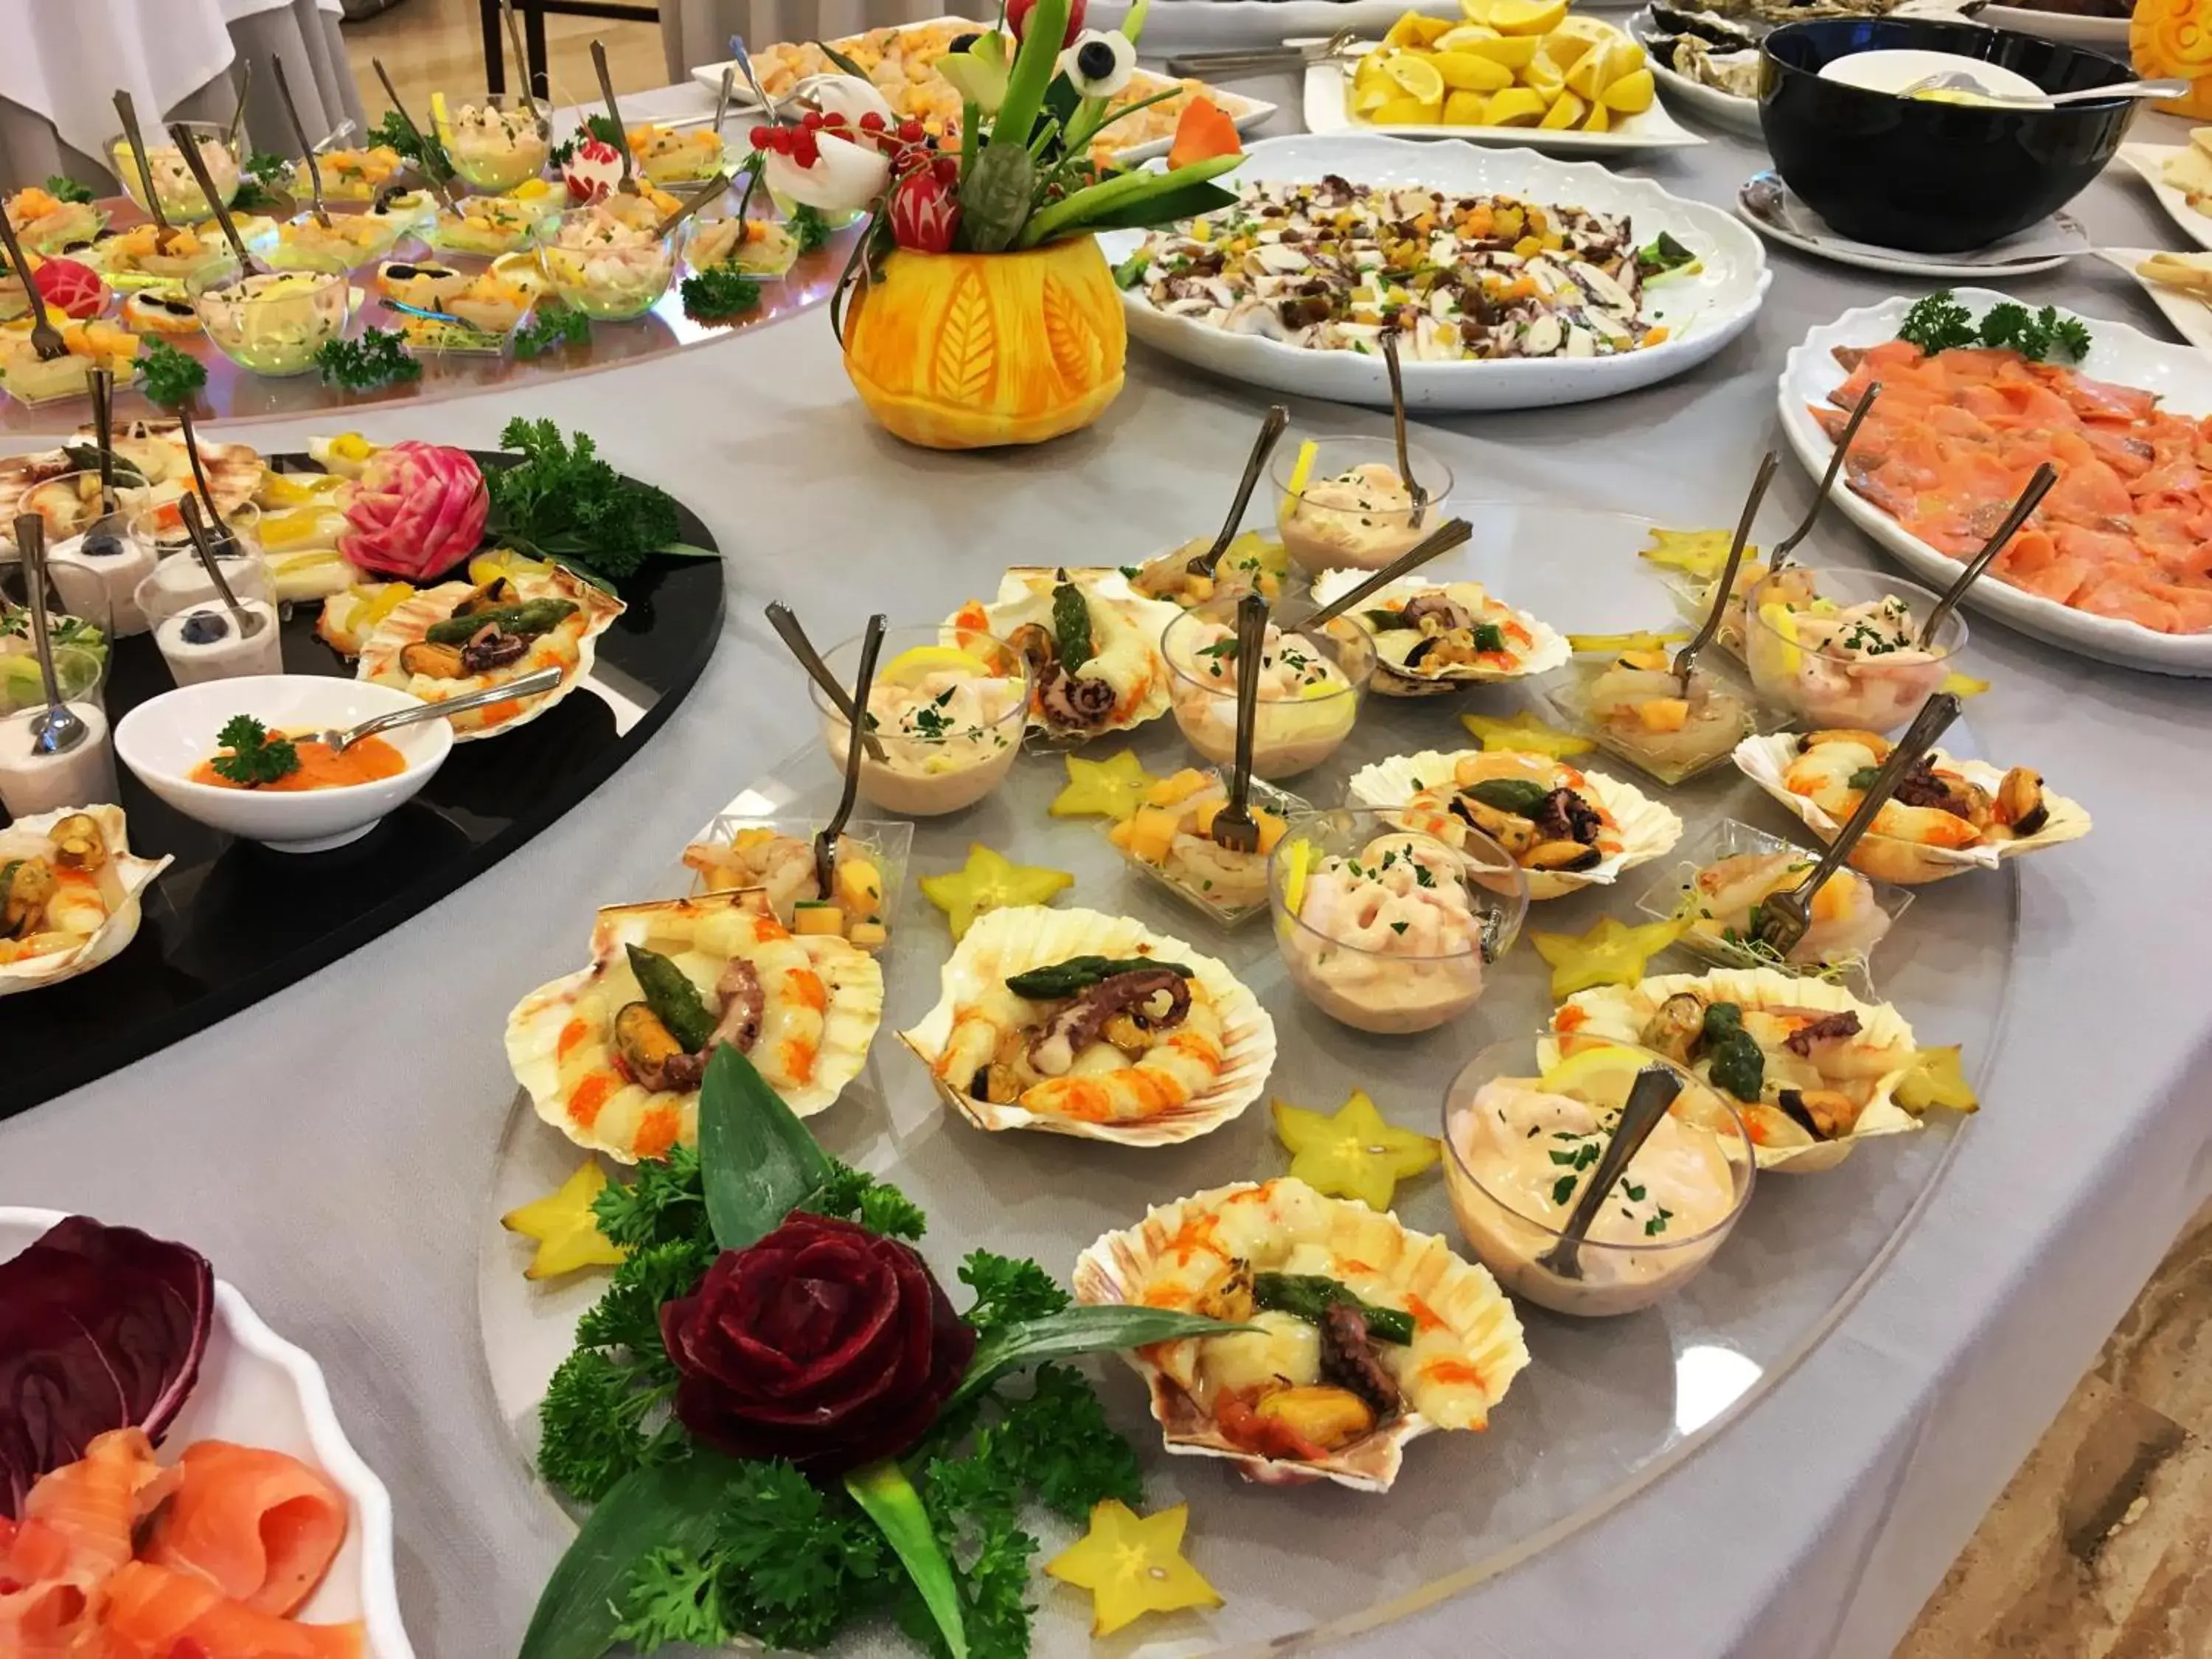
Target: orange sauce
(321, 767)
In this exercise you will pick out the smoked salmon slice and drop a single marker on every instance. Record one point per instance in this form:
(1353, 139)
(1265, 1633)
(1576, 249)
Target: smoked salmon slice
(151, 1613)
(42, 1607)
(258, 1527)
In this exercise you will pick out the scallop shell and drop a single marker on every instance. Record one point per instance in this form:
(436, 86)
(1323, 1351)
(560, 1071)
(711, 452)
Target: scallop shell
(1463, 1294)
(1005, 942)
(122, 879)
(1620, 1012)
(853, 980)
(1025, 596)
(1766, 760)
(413, 618)
(1648, 830)
(1549, 650)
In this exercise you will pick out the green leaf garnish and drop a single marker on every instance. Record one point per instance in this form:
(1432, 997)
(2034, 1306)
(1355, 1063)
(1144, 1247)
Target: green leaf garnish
(251, 757)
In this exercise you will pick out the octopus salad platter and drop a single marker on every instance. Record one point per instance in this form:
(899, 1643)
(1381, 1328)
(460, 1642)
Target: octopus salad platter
(1557, 312)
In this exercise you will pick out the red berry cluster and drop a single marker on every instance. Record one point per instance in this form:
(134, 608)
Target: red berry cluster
(908, 143)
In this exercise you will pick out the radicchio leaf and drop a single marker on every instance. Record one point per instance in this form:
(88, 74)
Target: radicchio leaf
(101, 1327)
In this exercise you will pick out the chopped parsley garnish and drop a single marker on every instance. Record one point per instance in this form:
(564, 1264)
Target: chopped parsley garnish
(1563, 1188)
(1657, 1225)
(1398, 927)
(1865, 777)
(809, 228)
(251, 756)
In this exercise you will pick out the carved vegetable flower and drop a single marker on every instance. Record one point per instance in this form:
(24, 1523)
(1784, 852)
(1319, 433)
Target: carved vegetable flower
(1100, 62)
(418, 512)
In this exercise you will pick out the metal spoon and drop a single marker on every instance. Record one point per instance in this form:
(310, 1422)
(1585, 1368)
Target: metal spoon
(1960, 80)
(752, 82)
(1445, 538)
(628, 185)
(1784, 917)
(1397, 425)
(443, 187)
(244, 86)
(58, 728)
(1653, 1093)
(521, 56)
(722, 99)
(45, 339)
(101, 541)
(1235, 830)
(1271, 434)
(2030, 498)
(1787, 543)
(781, 618)
(300, 135)
(248, 622)
(164, 231)
(825, 844)
(197, 163)
(1687, 656)
(228, 536)
(338, 739)
(690, 205)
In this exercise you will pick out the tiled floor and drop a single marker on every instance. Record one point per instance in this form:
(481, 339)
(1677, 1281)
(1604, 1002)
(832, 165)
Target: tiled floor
(437, 45)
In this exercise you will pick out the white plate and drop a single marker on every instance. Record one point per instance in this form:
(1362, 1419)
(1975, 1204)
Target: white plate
(1328, 111)
(2149, 160)
(258, 1390)
(2123, 356)
(1723, 109)
(2105, 34)
(1704, 311)
(2190, 316)
(1793, 231)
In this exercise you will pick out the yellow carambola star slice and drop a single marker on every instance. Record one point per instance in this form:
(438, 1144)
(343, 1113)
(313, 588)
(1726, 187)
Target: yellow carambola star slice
(1936, 1079)
(1352, 1153)
(990, 881)
(567, 1231)
(1699, 553)
(1112, 788)
(1525, 732)
(1133, 1564)
(1611, 953)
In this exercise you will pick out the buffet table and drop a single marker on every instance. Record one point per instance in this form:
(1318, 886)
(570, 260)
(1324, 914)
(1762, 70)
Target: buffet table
(329, 1149)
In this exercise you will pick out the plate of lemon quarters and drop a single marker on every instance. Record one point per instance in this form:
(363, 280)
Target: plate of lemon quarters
(1507, 72)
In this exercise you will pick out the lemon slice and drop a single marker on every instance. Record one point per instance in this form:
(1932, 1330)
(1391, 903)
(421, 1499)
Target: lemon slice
(1298, 863)
(440, 121)
(1524, 16)
(1779, 617)
(1302, 468)
(298, 488)
(1602, 1076)
(1419, 76)
(911, 666)
(1365, 101)
(298, 527)
(521, 269)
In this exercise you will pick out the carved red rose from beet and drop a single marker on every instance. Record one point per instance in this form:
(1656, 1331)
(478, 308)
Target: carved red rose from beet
(823, 1343)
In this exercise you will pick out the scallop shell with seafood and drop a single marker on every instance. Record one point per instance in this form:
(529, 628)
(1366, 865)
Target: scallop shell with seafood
(1547, 648)
(1765, 761)
(1647, 830)
(1126, 627)
(1012, 941)
(121, 878)
(824, 1000)
(1467, 1346)
(1620, 1013)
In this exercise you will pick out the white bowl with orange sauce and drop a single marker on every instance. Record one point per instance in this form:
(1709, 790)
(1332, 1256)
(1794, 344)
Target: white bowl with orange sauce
(165, 739)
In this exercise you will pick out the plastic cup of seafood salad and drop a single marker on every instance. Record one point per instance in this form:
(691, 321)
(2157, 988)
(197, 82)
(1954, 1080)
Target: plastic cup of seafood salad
(949, 716)
(181, 196)
(1347, 507)
(605, 260)
(1388, 930)
(1523, 1130)
(494, 140)
(1311, 683)
(273, 322)
(1843, 647)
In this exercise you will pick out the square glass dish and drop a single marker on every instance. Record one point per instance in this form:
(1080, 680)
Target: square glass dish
(1633, 715)
(774, 857)
(1230, 889)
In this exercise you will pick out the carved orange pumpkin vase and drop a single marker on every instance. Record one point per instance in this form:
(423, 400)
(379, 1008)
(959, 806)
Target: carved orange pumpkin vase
(2174, 38)
(969, 350)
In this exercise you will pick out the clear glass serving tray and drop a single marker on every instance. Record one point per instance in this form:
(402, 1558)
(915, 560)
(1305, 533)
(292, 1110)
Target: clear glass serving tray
(1605, 1407)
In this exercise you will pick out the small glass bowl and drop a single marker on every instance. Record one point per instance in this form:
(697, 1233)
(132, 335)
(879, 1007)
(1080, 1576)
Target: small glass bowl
(1319, 538)
(923, 777)
(611, 284)
(162, 528)
(354, 240)
(449, 233)
(1673, 894)
(1386, 991)
(1230, 902)
(1825, 688)
(79, 623)
(499, 155)
(1568, 692)
(183, 201)
(677, 155)
(69, 224)
(717, 866)
(180, 583)
(1613, 1276)
(1289, 735)
(275, 333)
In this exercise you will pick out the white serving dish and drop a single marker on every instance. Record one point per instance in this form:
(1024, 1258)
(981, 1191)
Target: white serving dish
(1327, 112)
(1766, 204)
(2149, 162)
(2181, 378)
(163, 738)
(2191, 317)
(1705, 311)
(258, 1390)
(2105, 34)
(1723, 109)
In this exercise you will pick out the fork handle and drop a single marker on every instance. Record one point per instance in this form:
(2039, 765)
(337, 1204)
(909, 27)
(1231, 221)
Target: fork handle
(1251, 646)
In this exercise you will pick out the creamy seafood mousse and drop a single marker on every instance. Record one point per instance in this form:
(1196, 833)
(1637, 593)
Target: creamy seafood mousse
(949, 728)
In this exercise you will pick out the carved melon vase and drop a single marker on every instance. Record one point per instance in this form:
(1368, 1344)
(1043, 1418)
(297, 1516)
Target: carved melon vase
(970, 351)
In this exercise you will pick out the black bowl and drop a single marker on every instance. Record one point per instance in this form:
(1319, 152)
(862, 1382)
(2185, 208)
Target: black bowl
(1933, 178)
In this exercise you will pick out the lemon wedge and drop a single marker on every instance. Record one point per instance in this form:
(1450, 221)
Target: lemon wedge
(911, 667)
(1523, 16)
(1302, 468)
(1297, 864)
(1419, 76)
(1602, 1076)
(1779, 617)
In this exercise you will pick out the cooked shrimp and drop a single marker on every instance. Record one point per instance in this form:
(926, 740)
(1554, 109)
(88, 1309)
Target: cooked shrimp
(1181, 1065)
(1823, 775)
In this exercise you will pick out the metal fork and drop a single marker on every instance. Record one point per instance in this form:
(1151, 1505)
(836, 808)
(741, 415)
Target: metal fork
(1271, 434)
(1784, 548)
(1397, 425)
(197, 163)
(225, 537)
(825, 844)
(1784, 917)
(1686, 657)
(1235, 830)
(782, 618)
(339, 739)
(299, 135)
(1207, 65)
(628, 185)
(45, 339)
(127, 113)
(442, 187)
(2038, 486)
(1441, 540)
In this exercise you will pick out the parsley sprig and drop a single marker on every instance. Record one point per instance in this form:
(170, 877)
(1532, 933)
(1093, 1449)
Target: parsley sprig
(1940, 323)
(564, 503)
(253, 755)
(421, 148)
(170, 377)
(379, 357)
(550, 328)
(808, 227)
(64, 189)
(718, 294)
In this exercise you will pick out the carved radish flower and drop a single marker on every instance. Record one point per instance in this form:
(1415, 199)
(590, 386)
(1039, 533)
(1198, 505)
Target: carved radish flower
(926, 211)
